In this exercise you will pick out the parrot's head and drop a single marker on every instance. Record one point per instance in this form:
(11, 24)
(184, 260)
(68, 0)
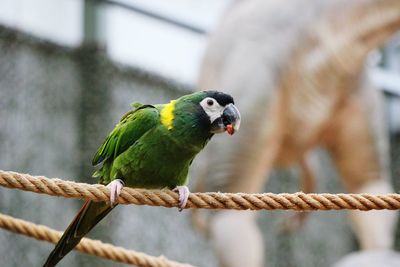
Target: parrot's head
(217, 111)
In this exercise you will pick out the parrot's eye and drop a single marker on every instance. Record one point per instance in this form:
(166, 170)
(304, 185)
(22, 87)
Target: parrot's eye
(213, 109)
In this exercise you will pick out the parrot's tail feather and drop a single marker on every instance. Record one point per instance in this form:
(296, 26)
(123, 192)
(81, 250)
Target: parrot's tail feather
(88, 216)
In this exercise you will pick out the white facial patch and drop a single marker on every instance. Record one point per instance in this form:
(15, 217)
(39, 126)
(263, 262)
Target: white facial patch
(213, 109)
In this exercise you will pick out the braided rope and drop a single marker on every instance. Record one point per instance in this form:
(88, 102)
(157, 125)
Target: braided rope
(238, 201)
(88, 246)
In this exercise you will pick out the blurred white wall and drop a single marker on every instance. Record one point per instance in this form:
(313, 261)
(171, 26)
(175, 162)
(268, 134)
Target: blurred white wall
(131, 38)
(58, 21)
(134, 39)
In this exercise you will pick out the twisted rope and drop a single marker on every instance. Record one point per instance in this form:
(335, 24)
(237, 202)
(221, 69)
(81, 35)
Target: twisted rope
(88, 246)
(238, 201)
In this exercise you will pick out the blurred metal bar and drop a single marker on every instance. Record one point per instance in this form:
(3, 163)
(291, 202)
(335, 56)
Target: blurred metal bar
(155, 16)
(90, 29)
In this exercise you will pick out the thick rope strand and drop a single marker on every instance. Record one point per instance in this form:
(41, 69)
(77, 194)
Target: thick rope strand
(88, 246)
(238, 201)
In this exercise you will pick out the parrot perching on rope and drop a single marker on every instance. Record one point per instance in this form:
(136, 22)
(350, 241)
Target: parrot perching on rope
(152, 147)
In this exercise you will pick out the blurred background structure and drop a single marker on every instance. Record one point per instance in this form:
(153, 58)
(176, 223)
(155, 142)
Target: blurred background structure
(70, 68)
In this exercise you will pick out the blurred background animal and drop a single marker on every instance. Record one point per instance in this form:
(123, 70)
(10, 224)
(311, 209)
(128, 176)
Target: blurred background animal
(301, 84)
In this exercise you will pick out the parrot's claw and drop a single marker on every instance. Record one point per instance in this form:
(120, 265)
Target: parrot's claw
(115, 190)
(183, 192)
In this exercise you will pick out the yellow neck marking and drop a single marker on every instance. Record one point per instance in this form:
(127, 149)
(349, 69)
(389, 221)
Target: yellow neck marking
(167, 115)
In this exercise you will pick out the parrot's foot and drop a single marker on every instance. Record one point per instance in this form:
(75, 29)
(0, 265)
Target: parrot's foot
(183, 192)
(115, 190)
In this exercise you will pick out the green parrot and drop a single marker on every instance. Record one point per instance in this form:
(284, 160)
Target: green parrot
(152, 147)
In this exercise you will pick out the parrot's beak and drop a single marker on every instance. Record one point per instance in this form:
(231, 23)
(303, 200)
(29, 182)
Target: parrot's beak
(229, 121)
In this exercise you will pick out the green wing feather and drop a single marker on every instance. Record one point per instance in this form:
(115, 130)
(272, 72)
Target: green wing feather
(131, 127)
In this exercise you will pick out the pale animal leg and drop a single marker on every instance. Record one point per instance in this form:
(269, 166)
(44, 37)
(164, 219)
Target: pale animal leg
(115, 190)
(183, 192)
